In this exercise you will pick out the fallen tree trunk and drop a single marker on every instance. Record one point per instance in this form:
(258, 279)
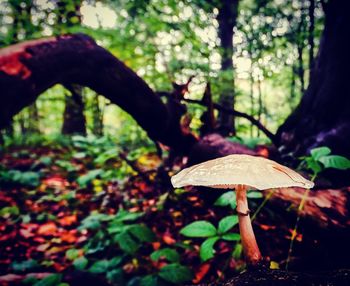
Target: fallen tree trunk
(322, 236)
(325, 209)
(29, 68)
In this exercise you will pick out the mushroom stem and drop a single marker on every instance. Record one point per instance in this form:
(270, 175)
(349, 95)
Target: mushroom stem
(250, 246)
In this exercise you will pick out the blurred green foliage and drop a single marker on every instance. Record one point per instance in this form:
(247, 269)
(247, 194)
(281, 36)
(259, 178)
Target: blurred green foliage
(166, 41)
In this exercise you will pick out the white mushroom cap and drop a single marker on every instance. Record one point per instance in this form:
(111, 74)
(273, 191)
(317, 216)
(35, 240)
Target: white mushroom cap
(232, 170)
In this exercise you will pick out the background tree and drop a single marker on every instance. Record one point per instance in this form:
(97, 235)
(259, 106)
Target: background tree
(322, 117)
(74, 122)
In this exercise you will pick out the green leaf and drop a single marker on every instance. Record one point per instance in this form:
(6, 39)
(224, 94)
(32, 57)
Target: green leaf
(207, 248)
(107, 155)
(72, 254)
(175, 273)
(200, 228)
(231, 236)
(142, 233)
(336, 162)
(116, 276)
(51, 280)
(31, 179)
(84, 180)
(8, 211)
(226, 199)
(319, 152)
(149, 280)
(127, 243)
(91, 222)
(237, 252)
(28, 179)
(80, 263)
(254, 195)
(116, 228)
(115, 262)
(100, 266)
(233, 205)
(124, 215)
(227, 223)
(170, 254)
(313, 165)
(24, 265)
(79, 155)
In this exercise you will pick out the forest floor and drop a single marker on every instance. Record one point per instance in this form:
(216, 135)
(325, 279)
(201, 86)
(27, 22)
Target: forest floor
(79, 212)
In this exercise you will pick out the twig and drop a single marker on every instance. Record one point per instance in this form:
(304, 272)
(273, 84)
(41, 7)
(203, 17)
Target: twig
(294, 232)
(267, 198)
(255, 122)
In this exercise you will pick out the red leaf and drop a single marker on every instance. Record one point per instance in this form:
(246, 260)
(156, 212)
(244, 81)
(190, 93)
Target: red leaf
(201, 272)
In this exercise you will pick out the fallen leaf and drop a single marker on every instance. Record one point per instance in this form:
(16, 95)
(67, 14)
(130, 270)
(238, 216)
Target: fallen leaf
(68, 220)
(168, 239)
(47, 229)
(201, 272)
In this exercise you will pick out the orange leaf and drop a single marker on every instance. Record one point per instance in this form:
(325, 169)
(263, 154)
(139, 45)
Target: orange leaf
(69, 237)
(168, 239)
(47, 229)
(202, 271)
(68, 220)
(156, 245)
(267, 227)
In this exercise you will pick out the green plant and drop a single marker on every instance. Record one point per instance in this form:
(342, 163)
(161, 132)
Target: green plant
(15, 177)
(117, 229)
(101, 149)
(321, 158)
(205, 229)
(229, 198)
(122, 237)
(170, 274)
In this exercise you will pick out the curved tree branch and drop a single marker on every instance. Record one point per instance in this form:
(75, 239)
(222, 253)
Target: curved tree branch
(29, 68)
(254, 121)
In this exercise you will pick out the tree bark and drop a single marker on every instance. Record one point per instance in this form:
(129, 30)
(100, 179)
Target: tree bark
(33, 114)
(323, 115)
(311, 39)
(300, 48)
(73, 117)
(74, 121)
(97, 116)
(29, 68)
(227, 17)
(325, 209)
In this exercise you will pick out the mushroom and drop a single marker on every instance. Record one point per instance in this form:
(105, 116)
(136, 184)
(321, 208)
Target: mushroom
(241, 172)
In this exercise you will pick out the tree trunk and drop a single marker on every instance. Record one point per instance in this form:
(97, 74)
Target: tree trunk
(260, 102)
(30, 68)
(97, 116)
(228, 11)
(311, 34)
(323, 115)
(73, 117)
(300, 50)
(74, 121)
(33, 114)
(300, 42)
(208, 116)
(251, 93)
(292, 85)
